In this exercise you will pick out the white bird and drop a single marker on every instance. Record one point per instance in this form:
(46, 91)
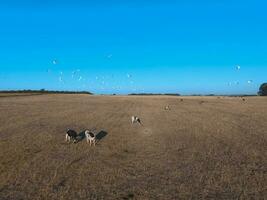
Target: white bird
(109, 56)
(54, 62)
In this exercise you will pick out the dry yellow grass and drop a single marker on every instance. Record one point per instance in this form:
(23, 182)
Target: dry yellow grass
(202, 148)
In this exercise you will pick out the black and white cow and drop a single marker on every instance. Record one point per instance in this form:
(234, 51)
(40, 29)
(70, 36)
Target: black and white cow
(71, 135)
(136, 119)
(90, 137)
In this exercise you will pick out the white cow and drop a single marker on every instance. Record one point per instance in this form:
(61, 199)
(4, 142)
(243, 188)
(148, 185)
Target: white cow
(90, 137)
(136, 119)
(167, 108)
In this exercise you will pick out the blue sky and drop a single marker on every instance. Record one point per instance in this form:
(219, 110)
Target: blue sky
(134, 46)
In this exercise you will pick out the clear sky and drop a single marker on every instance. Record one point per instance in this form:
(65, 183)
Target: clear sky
(186, 46)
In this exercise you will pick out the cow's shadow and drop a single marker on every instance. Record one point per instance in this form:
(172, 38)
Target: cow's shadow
(101, 135)
(81, 136)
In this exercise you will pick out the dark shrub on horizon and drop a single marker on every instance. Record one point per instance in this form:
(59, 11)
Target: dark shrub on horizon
(263, 90)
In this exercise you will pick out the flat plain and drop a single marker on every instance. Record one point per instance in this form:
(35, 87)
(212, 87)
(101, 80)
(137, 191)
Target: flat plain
(202, 148)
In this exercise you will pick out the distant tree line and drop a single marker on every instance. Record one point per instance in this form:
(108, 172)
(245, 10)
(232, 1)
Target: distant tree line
(43, 91)
(155, 94)
(262, 92)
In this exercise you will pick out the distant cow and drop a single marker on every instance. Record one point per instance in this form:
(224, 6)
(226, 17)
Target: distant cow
(90, 137)
(71, 135)
(167, 108)
(201, 102)
(181, 100)
(136, 119)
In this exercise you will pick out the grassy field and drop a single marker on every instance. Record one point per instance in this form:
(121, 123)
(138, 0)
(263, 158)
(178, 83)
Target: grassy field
(202, 148)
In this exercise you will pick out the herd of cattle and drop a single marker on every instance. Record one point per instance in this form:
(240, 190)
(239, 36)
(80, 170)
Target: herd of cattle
(71, 135)
(90, 136)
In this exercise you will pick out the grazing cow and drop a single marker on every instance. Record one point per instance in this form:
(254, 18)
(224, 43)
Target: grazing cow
(136, 119)
(71, 135)
(243, 99)
(201, 102)
(167, 108)
(90, 137)
(181, 100)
